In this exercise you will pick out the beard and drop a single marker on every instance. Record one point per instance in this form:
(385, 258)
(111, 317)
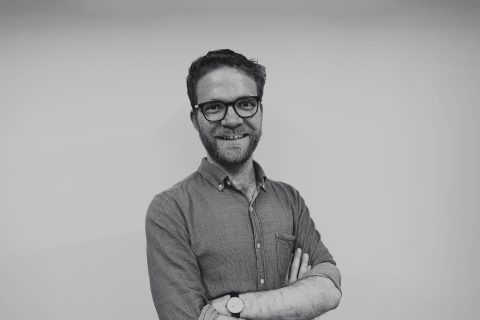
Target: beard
(230, 153)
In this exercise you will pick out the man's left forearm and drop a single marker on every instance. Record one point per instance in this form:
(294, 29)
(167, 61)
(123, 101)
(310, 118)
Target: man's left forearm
(305, 299)
(310, 293)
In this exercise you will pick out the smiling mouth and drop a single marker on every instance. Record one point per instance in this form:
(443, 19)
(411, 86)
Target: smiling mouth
(232, 137)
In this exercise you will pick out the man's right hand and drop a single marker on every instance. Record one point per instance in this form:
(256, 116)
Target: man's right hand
(298, 266)
(222, 317)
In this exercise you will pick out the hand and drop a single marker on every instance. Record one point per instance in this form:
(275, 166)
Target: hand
(220, 304)
(298, 267)
(222, 317)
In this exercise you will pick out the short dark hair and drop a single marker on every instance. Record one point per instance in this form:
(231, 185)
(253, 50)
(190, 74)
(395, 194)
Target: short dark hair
(219, 58)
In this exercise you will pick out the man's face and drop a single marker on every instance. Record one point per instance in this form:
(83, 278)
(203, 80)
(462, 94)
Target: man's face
(228, 84)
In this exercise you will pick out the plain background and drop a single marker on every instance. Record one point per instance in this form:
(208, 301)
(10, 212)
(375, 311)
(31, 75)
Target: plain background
(371, 110)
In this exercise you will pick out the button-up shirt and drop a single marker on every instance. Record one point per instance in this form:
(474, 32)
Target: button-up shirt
(206, 239)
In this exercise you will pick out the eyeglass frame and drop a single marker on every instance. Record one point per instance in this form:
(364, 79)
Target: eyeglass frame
(228, 104)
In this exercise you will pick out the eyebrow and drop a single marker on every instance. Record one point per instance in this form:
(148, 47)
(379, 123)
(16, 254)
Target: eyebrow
(225, 101)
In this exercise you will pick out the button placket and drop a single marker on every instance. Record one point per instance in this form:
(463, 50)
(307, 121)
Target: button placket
(258, 235)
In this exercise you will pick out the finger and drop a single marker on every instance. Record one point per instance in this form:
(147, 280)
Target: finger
(289, 266)
(295, 265)
(303, 265)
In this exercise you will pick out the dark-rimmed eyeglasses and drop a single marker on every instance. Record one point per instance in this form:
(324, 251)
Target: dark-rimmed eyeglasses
(245, 107)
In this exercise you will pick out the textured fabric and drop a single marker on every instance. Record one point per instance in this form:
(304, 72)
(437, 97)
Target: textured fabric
(205, 239)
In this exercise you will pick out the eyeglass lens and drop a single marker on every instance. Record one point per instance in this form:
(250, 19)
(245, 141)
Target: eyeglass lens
(216, 110)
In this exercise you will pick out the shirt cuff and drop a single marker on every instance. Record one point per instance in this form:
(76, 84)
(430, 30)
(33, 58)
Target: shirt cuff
(208, 313)
(328, 270)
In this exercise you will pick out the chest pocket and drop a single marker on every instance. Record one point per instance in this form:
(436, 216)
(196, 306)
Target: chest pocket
(284, 246)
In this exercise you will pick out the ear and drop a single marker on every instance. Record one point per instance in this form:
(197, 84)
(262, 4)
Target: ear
(194, 119)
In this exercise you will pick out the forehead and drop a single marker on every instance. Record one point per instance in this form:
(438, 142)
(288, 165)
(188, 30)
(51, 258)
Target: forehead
(225, 83)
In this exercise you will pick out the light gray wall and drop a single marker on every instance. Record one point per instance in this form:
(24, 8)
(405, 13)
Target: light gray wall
(371, 111)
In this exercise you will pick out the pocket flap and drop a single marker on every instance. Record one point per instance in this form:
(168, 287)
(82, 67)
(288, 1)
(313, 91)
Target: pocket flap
(283, 236)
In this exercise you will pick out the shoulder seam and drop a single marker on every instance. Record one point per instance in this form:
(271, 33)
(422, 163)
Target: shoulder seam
(179, 184)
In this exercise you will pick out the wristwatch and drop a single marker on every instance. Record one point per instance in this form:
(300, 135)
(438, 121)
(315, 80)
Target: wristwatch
(235, 305)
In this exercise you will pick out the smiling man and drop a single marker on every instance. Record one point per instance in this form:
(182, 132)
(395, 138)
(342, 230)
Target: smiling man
(220, 242)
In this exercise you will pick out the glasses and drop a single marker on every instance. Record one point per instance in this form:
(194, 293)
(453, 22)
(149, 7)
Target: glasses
(245, 107)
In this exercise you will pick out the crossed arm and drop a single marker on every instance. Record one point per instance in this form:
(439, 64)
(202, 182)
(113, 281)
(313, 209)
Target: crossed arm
(306, 297)
(178, 291)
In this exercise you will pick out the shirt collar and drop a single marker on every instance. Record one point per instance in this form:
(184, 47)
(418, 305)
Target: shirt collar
(218, 177)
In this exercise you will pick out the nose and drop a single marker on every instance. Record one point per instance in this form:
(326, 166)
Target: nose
(231, 119)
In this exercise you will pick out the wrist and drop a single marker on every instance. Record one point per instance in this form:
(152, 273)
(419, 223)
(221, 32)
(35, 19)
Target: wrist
(245, 314)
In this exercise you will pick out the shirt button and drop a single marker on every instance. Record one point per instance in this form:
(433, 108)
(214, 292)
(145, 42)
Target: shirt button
(220, 187)
(250, 209)
(258, 245)
(262, 281)
(229, 183)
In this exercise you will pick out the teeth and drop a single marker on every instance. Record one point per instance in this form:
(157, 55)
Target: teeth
(238, 136)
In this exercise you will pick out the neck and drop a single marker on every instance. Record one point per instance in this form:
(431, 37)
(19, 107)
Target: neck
(242, 174)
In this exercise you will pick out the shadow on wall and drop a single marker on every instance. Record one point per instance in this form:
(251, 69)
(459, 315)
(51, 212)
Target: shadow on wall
(102, 279)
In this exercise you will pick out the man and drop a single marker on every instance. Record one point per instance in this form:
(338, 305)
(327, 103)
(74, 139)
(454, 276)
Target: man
(219, 243)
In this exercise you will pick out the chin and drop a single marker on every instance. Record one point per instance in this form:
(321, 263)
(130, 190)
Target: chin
(230, 159)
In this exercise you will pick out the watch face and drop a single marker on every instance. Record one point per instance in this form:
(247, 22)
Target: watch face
(235, 305)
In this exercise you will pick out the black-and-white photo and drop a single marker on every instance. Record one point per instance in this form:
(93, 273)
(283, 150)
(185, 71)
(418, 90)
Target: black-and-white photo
(239, 159)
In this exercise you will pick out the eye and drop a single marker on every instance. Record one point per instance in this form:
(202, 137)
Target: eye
(247, 104)
(212, 107)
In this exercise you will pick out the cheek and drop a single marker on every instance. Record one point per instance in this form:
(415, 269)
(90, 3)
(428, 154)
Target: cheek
(205, 127)
(259, 118)
(256, 123)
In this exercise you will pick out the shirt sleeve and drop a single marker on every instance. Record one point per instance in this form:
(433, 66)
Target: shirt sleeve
(175, 279)
(309, 240)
